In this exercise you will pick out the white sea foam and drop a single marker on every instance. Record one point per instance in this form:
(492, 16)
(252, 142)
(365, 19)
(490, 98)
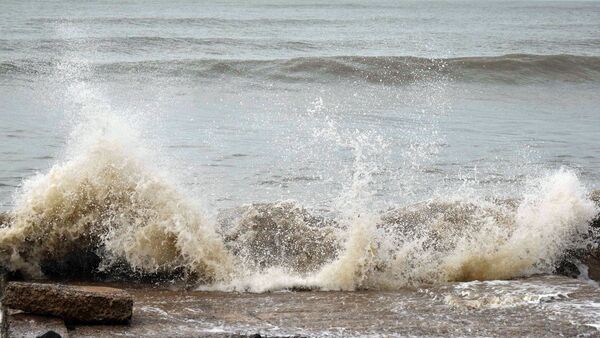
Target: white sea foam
(109, 197)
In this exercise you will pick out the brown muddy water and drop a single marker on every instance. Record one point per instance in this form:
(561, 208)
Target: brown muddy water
(536, 306)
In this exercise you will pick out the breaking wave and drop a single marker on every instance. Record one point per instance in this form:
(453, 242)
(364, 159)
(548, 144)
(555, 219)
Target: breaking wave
(107, 200)
(431, 242)
(108, 209)
(388, 70)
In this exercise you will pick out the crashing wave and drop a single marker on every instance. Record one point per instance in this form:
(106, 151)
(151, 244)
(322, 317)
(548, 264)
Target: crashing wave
(107, 202)
(106, 210)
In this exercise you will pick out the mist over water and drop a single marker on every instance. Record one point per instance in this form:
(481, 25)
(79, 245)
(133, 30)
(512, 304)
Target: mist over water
(332, 162)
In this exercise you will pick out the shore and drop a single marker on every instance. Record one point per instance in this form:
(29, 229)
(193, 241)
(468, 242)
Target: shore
(543, 305)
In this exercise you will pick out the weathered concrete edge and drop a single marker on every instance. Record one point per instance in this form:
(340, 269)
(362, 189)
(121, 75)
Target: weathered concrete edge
(72, 303)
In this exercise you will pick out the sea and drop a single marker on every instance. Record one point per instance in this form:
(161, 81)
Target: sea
(399, 155)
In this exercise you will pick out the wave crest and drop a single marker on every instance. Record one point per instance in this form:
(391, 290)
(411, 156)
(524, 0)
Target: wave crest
(387, 70)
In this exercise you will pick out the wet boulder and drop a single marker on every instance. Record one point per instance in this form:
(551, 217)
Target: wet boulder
(86, 304)
(593, 263)
(592, 259)
(86, 263)
(571, 265)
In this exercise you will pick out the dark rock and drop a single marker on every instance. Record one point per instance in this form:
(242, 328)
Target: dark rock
(50, 334)
(88, 304)
(27, 325)
(593, 263)
(84, 265)
(74, 265)
(592, 258)
(568, 267)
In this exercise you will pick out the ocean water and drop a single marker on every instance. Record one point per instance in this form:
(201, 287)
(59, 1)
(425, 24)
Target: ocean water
(268, 145)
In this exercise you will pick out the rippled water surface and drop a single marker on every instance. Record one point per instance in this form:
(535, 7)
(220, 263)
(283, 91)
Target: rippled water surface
(402, 150)
(234, 91)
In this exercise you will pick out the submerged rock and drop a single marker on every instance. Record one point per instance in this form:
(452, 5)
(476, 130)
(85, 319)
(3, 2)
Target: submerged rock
(88, 304)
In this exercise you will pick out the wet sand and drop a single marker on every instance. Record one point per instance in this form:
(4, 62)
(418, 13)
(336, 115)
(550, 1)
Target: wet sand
(537, 306)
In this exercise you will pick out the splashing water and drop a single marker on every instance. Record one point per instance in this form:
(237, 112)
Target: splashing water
(109, 198)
